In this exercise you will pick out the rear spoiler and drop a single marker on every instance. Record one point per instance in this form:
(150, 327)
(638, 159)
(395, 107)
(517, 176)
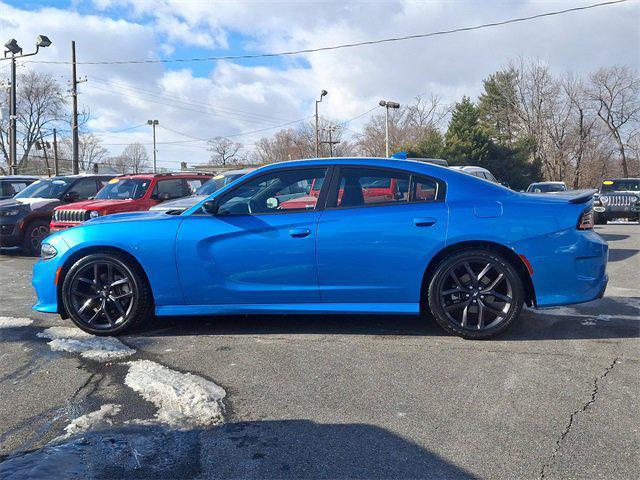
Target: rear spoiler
(574, 196)
(582, 196)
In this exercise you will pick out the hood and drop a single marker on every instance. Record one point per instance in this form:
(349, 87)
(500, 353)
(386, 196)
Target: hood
(129, 216)
(31, 203)
(97, 205)
(179, 204)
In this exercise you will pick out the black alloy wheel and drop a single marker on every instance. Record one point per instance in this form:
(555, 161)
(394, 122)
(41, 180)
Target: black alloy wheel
(104, 294)
(475, 294)
(34, 234)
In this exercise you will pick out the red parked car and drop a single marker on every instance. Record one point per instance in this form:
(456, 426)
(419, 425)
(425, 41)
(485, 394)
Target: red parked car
(128, 193)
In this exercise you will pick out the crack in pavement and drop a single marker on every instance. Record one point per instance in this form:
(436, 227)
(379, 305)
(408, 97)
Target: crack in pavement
(591, 401)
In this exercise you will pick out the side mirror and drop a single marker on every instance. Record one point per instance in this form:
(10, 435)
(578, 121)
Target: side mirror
(272, 203)
(210, 207)
(72, 196)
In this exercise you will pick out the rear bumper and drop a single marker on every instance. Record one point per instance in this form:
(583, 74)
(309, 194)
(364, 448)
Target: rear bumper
(569, 267)
(618, 211)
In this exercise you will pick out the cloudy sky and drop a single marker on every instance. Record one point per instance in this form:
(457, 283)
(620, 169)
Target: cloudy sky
(194, 100)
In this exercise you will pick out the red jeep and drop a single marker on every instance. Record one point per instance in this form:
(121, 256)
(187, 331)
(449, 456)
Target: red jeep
(128, 193)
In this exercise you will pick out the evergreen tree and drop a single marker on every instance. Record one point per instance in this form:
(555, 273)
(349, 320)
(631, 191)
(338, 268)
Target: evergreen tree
(497, 106)
(466, 141)
(431, 145)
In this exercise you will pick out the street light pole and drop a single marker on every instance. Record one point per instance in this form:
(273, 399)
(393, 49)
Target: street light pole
(15, 50)
(153, 124)
(387, 104)
(322, 94)
(13, 153)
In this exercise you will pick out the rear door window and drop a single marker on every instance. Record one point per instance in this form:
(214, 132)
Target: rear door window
(359, 187)
(169, 189)
(85, 188)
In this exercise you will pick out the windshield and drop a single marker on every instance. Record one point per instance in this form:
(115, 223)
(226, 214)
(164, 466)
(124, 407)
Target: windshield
(216, 183)
(124, 189)
(50, 188)
(621, 185)
(547, 187)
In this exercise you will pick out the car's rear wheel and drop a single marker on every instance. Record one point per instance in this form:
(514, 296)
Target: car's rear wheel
(34, 234)
(475, 294)
(106, 294)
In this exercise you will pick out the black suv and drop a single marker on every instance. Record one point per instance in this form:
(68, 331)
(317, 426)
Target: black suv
(617, 199)
(24, 219)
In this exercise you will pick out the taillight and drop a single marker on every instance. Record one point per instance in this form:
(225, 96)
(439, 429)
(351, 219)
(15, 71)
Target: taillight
(586, 220)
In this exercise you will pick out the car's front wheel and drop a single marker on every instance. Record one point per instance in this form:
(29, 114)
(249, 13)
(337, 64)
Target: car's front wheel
(475, 294)
(34, 234)
(106, 294)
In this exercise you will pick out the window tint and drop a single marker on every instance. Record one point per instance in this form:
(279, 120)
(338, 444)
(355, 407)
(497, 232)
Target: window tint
(168, 189)
(11, 188)
(423, 189)
(490, 177)
(365, 186)
(193, 184)
(281, 191)
(85, 188)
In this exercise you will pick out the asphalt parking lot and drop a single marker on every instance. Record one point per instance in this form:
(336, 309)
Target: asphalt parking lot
(336, 397)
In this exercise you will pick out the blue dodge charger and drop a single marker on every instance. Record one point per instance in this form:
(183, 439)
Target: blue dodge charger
(350, 235)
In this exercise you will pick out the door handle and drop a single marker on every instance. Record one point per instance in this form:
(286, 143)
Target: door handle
(424, 221)
(299, 232)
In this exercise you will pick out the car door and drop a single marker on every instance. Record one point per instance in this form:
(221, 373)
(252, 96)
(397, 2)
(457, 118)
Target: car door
(375, 249)
(252, 250)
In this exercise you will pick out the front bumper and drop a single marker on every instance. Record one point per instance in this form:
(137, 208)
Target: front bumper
(617, 211)
(10, 234)
(45, 276)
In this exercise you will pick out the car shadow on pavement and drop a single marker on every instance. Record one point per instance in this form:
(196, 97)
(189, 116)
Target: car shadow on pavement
(619, 254)
(607, 318)
(293, 449)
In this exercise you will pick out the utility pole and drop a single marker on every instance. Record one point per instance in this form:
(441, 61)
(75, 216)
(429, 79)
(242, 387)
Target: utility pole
(153, 123)
(331, 142)
(56, 168)
(387, 104)
(322, 94)
(75, 163)
(44, 145)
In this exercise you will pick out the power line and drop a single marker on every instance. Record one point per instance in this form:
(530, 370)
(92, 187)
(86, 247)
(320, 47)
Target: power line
(346, 45)
(176, 99)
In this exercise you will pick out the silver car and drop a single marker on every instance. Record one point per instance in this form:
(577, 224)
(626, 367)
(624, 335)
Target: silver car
(214, 184)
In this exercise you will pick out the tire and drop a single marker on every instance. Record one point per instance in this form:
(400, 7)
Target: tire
(106, 294)
(600, 219)
(35, 232)
(475, 307)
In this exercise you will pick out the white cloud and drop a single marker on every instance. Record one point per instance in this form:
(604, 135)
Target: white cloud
(226, 98)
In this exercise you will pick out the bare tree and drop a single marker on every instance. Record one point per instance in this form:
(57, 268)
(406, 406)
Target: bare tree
(90, 151)
(293, 144)
(407, 125)
(615, 93)
(133, 159)
(223, 151)
(40, 106)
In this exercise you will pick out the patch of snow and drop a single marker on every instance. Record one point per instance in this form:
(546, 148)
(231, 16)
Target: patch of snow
(184, 400)
(588, 323)
(89, 346)
(11, 322)
(93, 420)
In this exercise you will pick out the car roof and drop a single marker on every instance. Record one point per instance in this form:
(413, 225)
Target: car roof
(548, 183)
(470, 168)
(149, 176)
(18, 177)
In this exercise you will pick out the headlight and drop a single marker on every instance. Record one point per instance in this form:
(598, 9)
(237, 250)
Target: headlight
(94, 214)
(47, 251)
(9, 213)
(604, 199)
